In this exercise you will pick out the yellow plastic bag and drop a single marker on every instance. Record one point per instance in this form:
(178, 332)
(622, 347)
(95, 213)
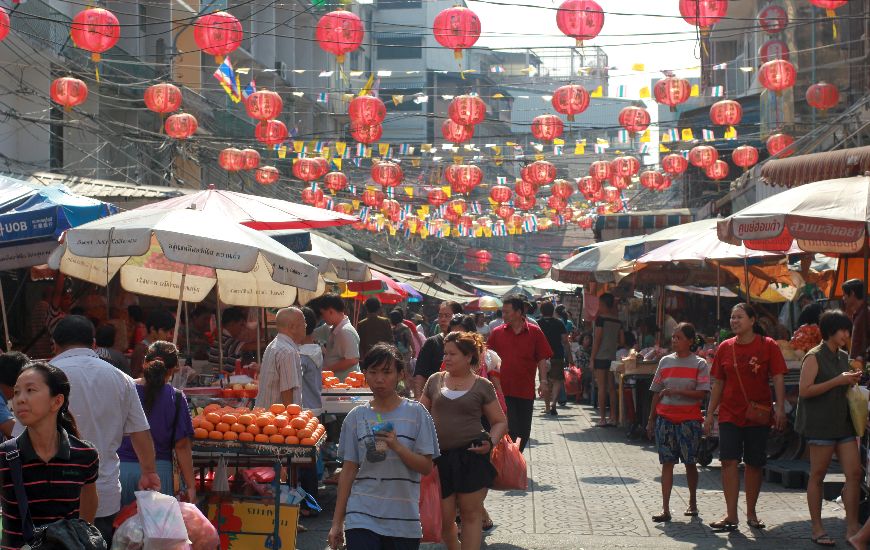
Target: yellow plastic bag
(857, 409)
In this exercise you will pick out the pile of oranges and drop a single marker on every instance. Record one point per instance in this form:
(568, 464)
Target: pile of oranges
(353, 380)
(279, 425)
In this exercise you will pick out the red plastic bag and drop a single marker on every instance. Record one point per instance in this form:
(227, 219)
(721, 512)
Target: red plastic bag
(573, 377)
(510, 465)
(430, 506)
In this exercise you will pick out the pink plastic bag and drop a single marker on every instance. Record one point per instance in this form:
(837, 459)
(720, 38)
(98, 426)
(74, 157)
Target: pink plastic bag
(510, 464)
(430, 506)
(200, 531)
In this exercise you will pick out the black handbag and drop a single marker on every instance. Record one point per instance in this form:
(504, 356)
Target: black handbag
(64, 534)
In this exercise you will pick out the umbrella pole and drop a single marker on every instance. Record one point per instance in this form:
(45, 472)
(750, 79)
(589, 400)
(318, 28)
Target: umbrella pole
(866, 253)
(259, 318)
(178, 306)
(187, 330)
(220, 331)
(5, 323)
(718, 296)
(746, 280)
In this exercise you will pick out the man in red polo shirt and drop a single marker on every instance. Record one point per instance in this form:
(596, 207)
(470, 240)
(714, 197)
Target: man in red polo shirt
(523, 349)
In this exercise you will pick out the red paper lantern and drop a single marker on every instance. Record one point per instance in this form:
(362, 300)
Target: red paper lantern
(500, 193)
(312, 195)
(386, 173)
(651, 179)
(68, 91)
(773, 49)
(264, 105)
(458, 205)
(777, 75)
(267, 175)
(345, 208)
(779, 145)
(703, 13)
(180, 126)
(436, 197)
(745, 156)
(620, 182)
(467, 110)
(95, 30)
(366, 110)
(580, 19)
(483, 256)
(545, 262)
(562, 189)
(829, 4)
(468, 175)
(391, 208)
(323, 164)
(231, 159)
(459, 188)
(773, 19)
(588, 186)
(450, 173)
(726, 113)
(547, 127)
(504, 211)
(339, 32)
(525, 203)
(674, 164)
(250, 159)
(703, 156)
(372, 197)
(717, 171)
(634, 119)
(4, 24)
(525, 188)
(307, 169)
(162, 98)
(556, 203)
(665, 184)
(513, 260)
(218, 34)
(271, 132)
(456, 28)
(823, 96)
(611, 194)
(541, 172)
(585, 223)
(672, 91)
(335, 181)
(570, 100)
(625, 166)
(600, 170)
(456, 133)
(367, 134)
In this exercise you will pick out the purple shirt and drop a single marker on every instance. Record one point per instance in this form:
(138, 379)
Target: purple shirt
(160, 420)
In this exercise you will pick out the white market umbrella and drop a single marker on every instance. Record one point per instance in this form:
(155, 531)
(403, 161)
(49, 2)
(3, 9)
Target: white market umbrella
(602, 262)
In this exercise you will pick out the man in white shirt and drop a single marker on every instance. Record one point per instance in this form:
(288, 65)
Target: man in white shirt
(342, 347)
(281, 368)
(106, 406)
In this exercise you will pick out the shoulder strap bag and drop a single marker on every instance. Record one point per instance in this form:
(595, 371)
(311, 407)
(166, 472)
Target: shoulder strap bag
(756, 413)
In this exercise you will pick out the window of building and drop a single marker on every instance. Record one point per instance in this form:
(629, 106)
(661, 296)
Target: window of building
(398, 4)
(406, 47)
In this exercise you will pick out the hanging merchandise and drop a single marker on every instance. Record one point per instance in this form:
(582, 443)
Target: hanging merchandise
(180, 126)
(570, 100)
(457, 28)
(218, 34)
(580, 19)
(95, 30)
(339, 32)
(745, 156)
(163, 98)
(69, 92)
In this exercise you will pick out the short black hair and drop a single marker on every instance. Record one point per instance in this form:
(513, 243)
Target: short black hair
(105, 336)
(455, 307)
(73, 329)
(201, 310)
(833, 320)
(629, 339)
(548, 309)
(233, 315)
(396, 316)
(530, 307)
(465, 321)
(310, 320)
(516, 302)
(136, 313)
(373, 305)
(382, 353)
(607, 299)
(810, 314)
(331, 301)
(159, 319)
(855, 287)
(11, 364)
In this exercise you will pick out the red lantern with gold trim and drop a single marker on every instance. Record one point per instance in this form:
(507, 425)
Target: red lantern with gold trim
(367, 134)
(672, 91)
(651, 179)
(777, 75)
(703, 13)
(436, 197)
(829, 4)
(726, 113)
(580, 19)
(467, 110)
(95, 30)
(250, 159)
(620, 182)
(675, 164)
(68, 91)
(218, 34)
(458, 205)
(773, 19)
(779, 145)
(562, 189)
(307, 169)
(180, 126)
(335, 181)
(366, 110)
(541, 172)
(547, 127)
(745, 156)
(339, 32)
(483, 257)
(264, 105)
(525, 188)
(556, 203)
(600, 170)
(500, 193)
(625, 166)
(163, 98)
(457, 28)
(634, 119)
(267, 175)
(703, 156)
(611, 194)
(388, 174)
(456, 133)
(391, 209)
(717, 171)
(271, 132)
(823, 96)
(587, 185)
(504, 211)
(570, 100)
(468, 175)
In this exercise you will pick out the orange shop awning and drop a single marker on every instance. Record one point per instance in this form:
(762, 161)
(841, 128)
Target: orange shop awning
(802, 169)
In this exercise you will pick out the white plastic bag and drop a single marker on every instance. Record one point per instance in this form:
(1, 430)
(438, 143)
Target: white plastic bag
(129, 535)
(162, 521)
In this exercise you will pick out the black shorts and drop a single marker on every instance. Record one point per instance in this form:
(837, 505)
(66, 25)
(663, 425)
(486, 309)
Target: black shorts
(557, 369)
(746, 442)
(602, 364)
(462, 471)
(364, 539)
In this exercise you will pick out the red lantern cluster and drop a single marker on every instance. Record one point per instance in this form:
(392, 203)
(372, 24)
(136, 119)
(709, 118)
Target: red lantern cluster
(250, 159)
(271, 132)
(580, 19)
(95, 30)
(525, 202)
(267, 175)
(777, 75)
(745, 156)
(773, 19)
(500, 193)
(457, 28)
(717, 171)
(674, 164)
(556, 203)
(218, 34)
(387, 174)
(703, 156)
(231, 159)
(335, 181)
(600, 170)
(339, 32)
(366, 110)
(726, 113)
(264, 105)
(513, 260)
(634, 119)
(547, 127)
(68, 91)
(180, 126)
(570, 100)
(307, 169)
(545, 262)
(823, 96)
(779, 145)
(467, 110)
(456, 133)
(672, 91)
(703, 13)
(163, 98)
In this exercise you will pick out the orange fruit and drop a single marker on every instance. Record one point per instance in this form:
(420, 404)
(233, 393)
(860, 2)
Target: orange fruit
(195, 421)
(216, 435)
(245, 436)
(277, 408)
(231, 436)
(293, 409)
(213, 417)
(200, 433)
(211, 408)
(263, 421)
(222, 427)
(276, 438)
(287, 431)
(246, 419)
(229, 418)
(237, 428)
(303, 433)
(253, 429)
(258, 410)
(298, 423)
(206, 425)
(307, 441)
(260, 438)
(270, 429)
(281, 421)
(291, 440)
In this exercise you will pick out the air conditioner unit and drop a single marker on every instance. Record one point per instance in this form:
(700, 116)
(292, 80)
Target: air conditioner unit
(283, 71)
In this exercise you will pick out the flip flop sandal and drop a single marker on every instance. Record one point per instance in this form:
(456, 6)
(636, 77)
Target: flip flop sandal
(693, 512)
(755, 523)
(487, 525)
(823, 540)
(662, 518)
(724, 525)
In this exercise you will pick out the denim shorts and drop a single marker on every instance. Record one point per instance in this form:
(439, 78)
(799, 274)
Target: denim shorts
(830, 442)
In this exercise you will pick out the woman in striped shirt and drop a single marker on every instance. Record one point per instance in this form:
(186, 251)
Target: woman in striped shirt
(58, 469)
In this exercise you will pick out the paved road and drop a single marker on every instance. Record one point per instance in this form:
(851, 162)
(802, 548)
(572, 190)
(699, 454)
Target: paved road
(590, 488)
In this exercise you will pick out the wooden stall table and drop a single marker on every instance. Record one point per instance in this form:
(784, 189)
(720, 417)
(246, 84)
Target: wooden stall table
(631, 368)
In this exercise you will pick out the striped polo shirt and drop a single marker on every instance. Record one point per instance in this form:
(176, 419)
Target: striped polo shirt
(53, 488)
(680, 373)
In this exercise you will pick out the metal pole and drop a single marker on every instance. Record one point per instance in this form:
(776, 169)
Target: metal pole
(746, 280)
(178, 306)
(220, 330)
(718, 295)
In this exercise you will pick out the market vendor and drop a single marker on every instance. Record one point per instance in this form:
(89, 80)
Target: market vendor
(281, 369)
(342, 345)
(233, 321)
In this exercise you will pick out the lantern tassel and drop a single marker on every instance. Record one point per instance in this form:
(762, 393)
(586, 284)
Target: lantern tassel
(95, 57)
(97, 73)
(457, 54)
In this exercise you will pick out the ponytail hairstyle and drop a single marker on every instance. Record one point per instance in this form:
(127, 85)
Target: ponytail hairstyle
(469, 343)
(752, 314)
(58, 384)
(160, 360)
(688, 330)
